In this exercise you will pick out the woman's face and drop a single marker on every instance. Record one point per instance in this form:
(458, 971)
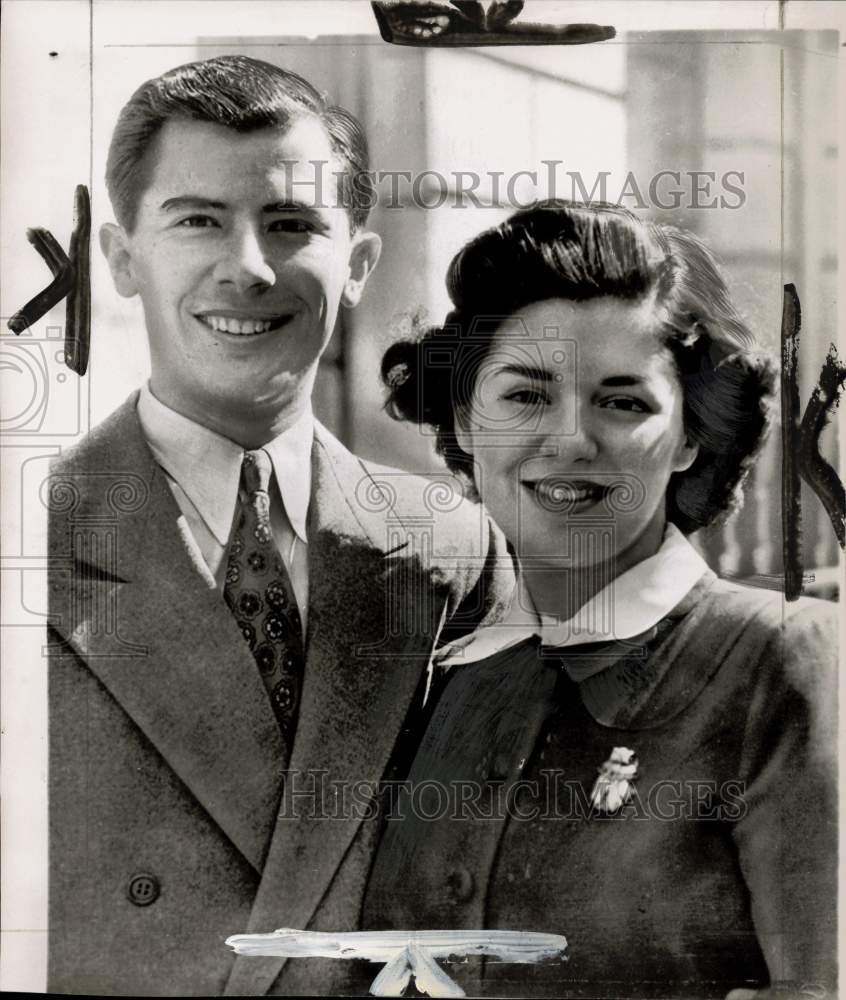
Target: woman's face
(575, 427)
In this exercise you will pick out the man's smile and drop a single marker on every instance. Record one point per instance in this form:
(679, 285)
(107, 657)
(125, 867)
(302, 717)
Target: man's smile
(242, 324)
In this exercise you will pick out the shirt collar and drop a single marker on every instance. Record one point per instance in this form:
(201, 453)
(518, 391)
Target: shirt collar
(636, 600)
(628, 606)
(207, 466)
(290, 453)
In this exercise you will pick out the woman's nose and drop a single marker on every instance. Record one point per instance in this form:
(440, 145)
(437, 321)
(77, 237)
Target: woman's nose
(575, 441)
(243, 262)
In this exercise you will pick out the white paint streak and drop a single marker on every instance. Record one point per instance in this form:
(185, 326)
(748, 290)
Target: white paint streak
(429, 977)
(393, 979)
(383, 946)
(406, 952)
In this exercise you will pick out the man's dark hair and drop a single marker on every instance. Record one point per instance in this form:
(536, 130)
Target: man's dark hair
(557, 249)
(240, 93)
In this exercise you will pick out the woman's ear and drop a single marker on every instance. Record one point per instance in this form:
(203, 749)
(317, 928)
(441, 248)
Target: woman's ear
(687, 454)
(364, 256)
(463, 431)
(115, 246)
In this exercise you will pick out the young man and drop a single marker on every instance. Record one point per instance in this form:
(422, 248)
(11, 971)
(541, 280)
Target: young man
(243, 611)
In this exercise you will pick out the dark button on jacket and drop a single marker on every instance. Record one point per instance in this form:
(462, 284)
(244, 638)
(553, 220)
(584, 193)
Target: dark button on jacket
(143, 889)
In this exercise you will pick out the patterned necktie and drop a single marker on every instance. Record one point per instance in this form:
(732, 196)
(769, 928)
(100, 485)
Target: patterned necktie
(259, 593)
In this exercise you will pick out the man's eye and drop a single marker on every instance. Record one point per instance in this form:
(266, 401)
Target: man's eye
(527, 397)
(197, 222)
(626, 403)
(291, 226)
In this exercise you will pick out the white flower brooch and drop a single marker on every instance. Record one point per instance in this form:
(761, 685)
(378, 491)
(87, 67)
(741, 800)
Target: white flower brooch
(613, 787)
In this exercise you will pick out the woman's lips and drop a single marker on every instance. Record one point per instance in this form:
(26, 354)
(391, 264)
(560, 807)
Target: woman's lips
(557, 492)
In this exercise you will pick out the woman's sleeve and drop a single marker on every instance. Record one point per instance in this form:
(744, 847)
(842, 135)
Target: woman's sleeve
(787, 839)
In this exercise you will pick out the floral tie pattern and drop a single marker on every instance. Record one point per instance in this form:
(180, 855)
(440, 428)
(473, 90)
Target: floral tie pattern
(259, 593)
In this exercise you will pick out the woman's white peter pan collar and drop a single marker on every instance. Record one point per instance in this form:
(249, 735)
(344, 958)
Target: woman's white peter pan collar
(628, 606)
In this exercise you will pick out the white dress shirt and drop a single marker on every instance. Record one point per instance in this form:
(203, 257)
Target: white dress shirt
(203, 470)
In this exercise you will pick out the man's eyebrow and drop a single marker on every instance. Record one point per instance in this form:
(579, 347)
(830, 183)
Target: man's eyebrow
(195, 202)
(526, 371)
(189, 201)
(289, 206)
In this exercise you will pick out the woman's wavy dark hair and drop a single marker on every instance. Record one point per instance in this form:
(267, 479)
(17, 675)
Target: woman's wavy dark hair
(557, 249)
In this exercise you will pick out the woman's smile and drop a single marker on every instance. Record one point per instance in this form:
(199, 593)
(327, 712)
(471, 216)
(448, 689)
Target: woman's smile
(607, 426)
(561, 494)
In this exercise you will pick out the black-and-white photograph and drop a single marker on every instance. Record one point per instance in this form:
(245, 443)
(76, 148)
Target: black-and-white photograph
(423, 513)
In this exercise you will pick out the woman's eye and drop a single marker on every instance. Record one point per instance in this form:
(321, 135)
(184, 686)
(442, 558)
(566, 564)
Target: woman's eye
(527, 397)
(197, 222)
(627, 403)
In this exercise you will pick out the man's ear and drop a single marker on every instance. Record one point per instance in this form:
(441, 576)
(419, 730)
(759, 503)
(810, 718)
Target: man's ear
(115, 246)
(364, 256)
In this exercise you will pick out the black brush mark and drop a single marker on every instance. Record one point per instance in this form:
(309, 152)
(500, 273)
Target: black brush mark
(72, 279)
(466, 22)
(791, 501)
(78, 310)
(800, 444)
(62, 269)
(813, 468)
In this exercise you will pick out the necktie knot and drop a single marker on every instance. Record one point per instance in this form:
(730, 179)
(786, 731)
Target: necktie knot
(256, 470)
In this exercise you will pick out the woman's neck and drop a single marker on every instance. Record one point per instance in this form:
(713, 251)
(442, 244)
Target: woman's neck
(561, 591)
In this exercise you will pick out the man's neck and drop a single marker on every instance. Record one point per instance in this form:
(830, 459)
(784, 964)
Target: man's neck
(247, 426)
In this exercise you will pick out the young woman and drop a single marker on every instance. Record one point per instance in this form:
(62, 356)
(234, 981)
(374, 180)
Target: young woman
(640, 757)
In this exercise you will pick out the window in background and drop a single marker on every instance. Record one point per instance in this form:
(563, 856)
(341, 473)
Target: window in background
(706, 106)
(715, 105)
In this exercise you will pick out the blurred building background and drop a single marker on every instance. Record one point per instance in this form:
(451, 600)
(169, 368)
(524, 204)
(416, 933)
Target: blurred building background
(747, 122)
(751, 115)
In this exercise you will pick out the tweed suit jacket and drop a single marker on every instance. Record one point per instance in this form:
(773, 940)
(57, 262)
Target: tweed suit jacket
(169, 829)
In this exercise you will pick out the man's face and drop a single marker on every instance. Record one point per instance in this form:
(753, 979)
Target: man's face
(241, 260)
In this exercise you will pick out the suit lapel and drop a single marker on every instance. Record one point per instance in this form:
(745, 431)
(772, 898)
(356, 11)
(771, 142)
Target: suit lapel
(137, 608)
(366, 652)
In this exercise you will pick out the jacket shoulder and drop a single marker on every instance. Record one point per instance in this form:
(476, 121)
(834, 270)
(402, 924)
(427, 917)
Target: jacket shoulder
(109, 472)
(107, 446)
(784, 649)
(737, 645)
(766, 618)
(433, 504)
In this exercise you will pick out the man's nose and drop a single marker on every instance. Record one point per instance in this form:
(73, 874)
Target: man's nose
(243, 262)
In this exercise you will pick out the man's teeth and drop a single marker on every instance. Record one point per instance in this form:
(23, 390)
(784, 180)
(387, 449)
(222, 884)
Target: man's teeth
(226, 324)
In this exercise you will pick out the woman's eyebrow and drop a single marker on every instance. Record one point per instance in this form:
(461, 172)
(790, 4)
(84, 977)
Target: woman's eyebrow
(621, 380)
(527, 371)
